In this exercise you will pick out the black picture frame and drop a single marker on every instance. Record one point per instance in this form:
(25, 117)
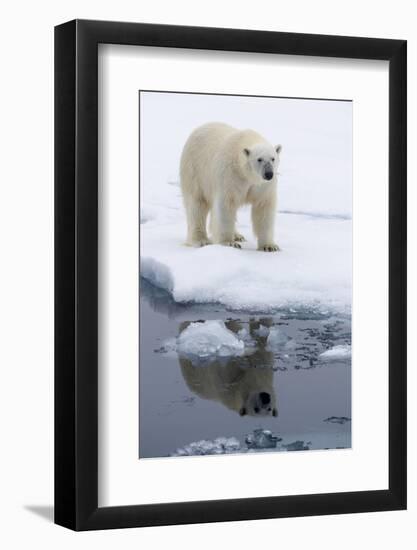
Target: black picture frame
(76, 273)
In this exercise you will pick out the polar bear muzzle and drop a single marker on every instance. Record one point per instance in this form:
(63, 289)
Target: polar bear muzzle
(268, 171)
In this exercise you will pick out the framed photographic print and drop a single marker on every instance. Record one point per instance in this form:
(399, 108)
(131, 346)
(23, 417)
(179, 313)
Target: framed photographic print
(230, 338)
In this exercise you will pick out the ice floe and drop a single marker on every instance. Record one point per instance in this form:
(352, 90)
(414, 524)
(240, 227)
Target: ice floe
(336, 353)
(313, 268)
(208, 339)
(277, 339)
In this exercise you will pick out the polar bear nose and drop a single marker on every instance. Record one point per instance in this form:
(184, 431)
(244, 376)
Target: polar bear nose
(268, 171)
(264, 397)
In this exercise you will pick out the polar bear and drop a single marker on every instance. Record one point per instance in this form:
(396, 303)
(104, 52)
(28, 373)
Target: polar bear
(221, 169)
(245, 386)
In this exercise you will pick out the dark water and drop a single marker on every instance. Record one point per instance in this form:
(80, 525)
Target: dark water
(183, 402)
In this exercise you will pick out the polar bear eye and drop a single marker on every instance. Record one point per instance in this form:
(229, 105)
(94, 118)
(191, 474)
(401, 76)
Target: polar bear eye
(260, 160)
(273, 159)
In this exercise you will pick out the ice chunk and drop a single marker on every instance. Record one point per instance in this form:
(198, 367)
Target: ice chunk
(296, 446)
(169, 346)
(261, 439)
(262, 331)
(229, 444)
(221, 445)
(337, 419)
(277, 339)
(243, 334)
(157, 273)
(249, 342)
(336, 353)
(208, 339)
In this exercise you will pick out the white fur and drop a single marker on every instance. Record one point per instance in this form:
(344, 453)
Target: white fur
(222, 169)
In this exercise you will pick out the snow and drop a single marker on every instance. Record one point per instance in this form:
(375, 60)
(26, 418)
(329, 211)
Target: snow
(336, 353)
(313, 268)
(209, 339)
(313, 225)
(147, 213)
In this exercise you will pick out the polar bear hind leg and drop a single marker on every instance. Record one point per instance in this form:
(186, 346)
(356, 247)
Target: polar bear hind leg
(196, 211)
(238, 238)
(223, 219)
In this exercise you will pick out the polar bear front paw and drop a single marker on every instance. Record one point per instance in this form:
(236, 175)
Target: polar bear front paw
(233, 244)
(239, 238)
(269, 247)
(200, 242)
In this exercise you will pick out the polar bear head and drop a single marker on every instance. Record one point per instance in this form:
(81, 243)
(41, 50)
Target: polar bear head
(263, 160)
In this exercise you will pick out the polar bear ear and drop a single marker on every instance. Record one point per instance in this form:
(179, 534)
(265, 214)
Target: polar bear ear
(242, 411)
(246, 151)
(274, 412)
(278, 148)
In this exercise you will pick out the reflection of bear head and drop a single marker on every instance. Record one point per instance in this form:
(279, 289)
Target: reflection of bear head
(259, 403)
(263, 160)
(243, 384)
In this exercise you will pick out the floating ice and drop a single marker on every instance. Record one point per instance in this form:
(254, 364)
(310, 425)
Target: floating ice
(221, 445)
(208, 339)
(261, 439)
(243, 334)
(277, 339)
(336, 353)
(257, 441)
(337, 419)
(249, 342)
(262, 331)
(169, 346)
(296, 446)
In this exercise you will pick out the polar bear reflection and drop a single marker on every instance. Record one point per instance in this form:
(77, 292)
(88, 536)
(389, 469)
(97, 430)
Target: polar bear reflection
(242, 384)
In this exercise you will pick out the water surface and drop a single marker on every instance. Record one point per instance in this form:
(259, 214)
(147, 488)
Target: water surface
(184, 401)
